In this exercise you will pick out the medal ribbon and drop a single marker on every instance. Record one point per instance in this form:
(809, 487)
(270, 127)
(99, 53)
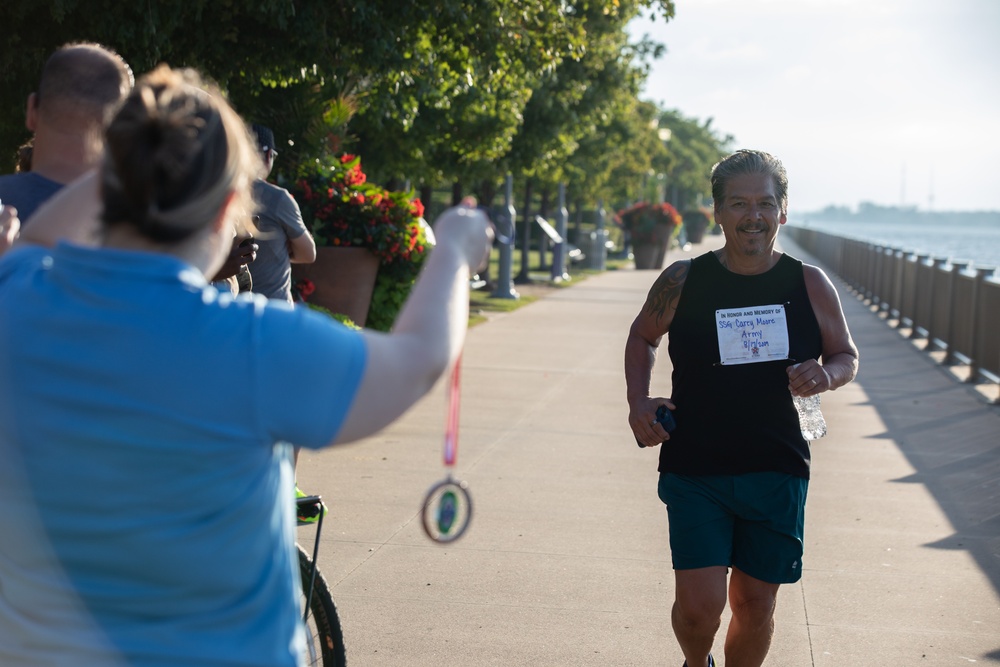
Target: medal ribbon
(451, 428)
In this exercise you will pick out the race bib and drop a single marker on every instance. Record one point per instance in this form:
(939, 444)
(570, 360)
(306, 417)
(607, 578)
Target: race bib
(752, 335)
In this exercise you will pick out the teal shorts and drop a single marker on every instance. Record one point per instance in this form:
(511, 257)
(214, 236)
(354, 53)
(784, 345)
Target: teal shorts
(752, 522)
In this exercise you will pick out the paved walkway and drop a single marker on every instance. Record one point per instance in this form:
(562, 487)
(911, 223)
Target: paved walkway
(566, 562)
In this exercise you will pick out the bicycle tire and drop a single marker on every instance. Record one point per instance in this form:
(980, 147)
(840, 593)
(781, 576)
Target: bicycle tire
(324, 637)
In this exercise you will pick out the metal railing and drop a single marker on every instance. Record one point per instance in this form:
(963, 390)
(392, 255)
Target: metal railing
(953, 305)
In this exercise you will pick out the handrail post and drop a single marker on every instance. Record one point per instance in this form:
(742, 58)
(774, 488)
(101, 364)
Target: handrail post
(974, 352)
(900, 284)
(921, 260)
(890, 300)
(878, 257)
(956, 269)
(898, 263)
(865, 274)
(888, 281)
(936, 263)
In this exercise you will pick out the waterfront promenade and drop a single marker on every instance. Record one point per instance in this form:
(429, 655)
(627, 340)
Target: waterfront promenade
(566, 561)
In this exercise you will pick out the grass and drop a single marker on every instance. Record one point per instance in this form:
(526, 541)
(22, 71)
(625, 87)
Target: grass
(482, 304)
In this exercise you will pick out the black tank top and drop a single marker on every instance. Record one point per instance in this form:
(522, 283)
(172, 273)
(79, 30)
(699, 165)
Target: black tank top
(736, 418)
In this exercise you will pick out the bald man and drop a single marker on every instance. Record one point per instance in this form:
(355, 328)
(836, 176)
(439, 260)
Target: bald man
(81, 87)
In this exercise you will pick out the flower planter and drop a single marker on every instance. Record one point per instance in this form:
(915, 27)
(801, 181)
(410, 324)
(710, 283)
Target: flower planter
(650, 227)
(696, 231)
(651, 252)
(363, 231)
(344, 280)
(647, 256)
(696, 223)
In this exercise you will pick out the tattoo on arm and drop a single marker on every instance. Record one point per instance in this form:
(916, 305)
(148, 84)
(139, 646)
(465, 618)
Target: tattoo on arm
(666, 291)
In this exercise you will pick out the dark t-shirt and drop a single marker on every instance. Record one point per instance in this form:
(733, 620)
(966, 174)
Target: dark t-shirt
(26, 192)
(736, 418)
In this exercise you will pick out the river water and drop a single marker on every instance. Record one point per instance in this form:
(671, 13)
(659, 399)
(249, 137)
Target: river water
(957, 239)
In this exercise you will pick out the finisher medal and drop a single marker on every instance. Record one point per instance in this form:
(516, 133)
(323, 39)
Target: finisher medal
(447, 507)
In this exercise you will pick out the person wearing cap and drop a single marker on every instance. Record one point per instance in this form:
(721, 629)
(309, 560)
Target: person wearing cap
(282, 235)
(282, 238)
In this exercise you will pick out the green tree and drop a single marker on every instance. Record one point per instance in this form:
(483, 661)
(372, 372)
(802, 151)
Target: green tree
(453, 113)
(231, 42)
(574, 96)
(281, 56)
(516, 97)
(695, 146)
(456, 90)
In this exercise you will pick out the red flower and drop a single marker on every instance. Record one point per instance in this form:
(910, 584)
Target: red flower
(417, 208)
(305, 287)
(649, 222)
(355, 176)
(342, 208)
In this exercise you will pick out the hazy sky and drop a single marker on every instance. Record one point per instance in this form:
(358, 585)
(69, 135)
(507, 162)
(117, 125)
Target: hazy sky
(885, 101)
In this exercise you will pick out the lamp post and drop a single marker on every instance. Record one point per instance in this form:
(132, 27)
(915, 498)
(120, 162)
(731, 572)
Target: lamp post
(505, 286)
(559, 273)
(664, 135)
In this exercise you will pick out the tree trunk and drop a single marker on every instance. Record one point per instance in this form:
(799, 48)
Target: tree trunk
(426, 194)
(487, 193)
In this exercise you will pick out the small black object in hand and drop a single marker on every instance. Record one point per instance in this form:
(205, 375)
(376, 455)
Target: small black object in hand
(664, 418)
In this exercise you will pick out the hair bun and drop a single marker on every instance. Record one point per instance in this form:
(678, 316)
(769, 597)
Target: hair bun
(174, 156)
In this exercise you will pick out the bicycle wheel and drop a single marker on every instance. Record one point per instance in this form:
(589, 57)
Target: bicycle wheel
(324, 638)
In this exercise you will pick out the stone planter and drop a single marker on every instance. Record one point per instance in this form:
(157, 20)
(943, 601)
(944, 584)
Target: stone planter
(650, 253)
(696, 223)
(696, 231)
(646, 256)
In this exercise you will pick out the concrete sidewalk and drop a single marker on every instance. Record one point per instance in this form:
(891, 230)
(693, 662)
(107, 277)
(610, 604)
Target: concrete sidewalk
(566, 561)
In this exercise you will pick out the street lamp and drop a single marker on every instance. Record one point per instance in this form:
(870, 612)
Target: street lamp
(664, 134)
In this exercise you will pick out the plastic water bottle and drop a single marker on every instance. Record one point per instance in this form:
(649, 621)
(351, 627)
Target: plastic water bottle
(810, 416)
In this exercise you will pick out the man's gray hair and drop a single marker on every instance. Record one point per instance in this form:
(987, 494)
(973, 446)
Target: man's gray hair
(744, 162)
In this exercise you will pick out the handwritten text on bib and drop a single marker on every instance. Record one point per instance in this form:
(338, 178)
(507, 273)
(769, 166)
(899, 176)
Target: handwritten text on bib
(752, 335)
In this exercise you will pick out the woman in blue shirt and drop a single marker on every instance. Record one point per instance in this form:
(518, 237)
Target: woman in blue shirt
(141, 433)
